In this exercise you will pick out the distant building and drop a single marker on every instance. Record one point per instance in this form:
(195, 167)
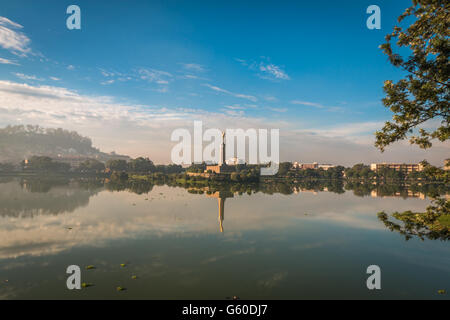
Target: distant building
(314, 165)
(222, 167)
(297, 165)
(326, 166)
(403, 167)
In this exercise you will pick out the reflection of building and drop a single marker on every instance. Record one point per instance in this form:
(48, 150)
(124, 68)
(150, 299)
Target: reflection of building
(410, 194)
(221, 196)
(222, 166)
(403, 167)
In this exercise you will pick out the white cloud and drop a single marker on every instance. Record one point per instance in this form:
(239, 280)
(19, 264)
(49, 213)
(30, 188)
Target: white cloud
(107, 82)
(70, 67)
(27, 77)
(55, 79)
(235, 107)
(237, 95)
(277, 109)
(153, 75)
(271, 98)
(265, 69)
(271, 71)
(7, 61)
(194, 67)
(161, 78)
(139, 130)
(234, 113)
(318, 105)
(12, 39)
(306, 103)
(6, 22)
(357, 129)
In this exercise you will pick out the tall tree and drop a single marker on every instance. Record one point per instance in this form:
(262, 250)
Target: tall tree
(423, 94)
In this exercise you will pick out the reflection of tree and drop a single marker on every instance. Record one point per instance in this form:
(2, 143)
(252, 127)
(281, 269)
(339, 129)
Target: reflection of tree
(41, 196)
(336, 186)
(431, 190)
(43, 184)
(135, 186)
(433, 224)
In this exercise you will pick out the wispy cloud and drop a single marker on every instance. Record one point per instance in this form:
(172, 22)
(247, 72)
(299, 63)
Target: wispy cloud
(265, 69)
(7, 61)
(27, 77)
(12, 39)
(277, 109)
(270, 98)
(159, 77)
(194, 67)
(104, 83)
(234, 113)
(318, 105)
(272, 72)
(237, 95)
(307, 103)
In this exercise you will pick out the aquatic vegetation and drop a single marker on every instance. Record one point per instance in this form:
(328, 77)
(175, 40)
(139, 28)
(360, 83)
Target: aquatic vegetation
(89, 267)
(123, 265)
(441, 291)
(134, 277)
(87, 285)
(121, 289)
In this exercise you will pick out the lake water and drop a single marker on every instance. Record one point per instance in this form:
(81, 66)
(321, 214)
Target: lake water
(180, 245)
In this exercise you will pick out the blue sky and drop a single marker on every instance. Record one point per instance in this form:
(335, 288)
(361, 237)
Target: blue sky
(306, 67)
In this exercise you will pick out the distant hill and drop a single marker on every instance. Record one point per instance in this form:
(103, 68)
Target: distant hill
(20, 142)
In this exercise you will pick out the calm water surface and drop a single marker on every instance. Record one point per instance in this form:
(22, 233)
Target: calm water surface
(307, 245)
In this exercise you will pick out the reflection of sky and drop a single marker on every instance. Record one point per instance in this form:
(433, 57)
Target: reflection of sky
(173, 211)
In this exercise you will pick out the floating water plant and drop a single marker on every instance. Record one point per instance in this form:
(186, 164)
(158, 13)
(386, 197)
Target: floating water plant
(86, 285)
(89, 267)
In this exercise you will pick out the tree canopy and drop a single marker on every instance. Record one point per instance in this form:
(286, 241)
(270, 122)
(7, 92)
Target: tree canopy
(423, 93)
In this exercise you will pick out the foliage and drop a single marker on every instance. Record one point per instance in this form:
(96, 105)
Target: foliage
(18, 142)
(117, 165)
(423, 94)
(141, 165)
(45, 164)
(91, 166)
(432, 224)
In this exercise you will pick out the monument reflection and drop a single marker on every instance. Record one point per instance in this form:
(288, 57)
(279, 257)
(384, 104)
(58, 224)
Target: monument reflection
(221, 197)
